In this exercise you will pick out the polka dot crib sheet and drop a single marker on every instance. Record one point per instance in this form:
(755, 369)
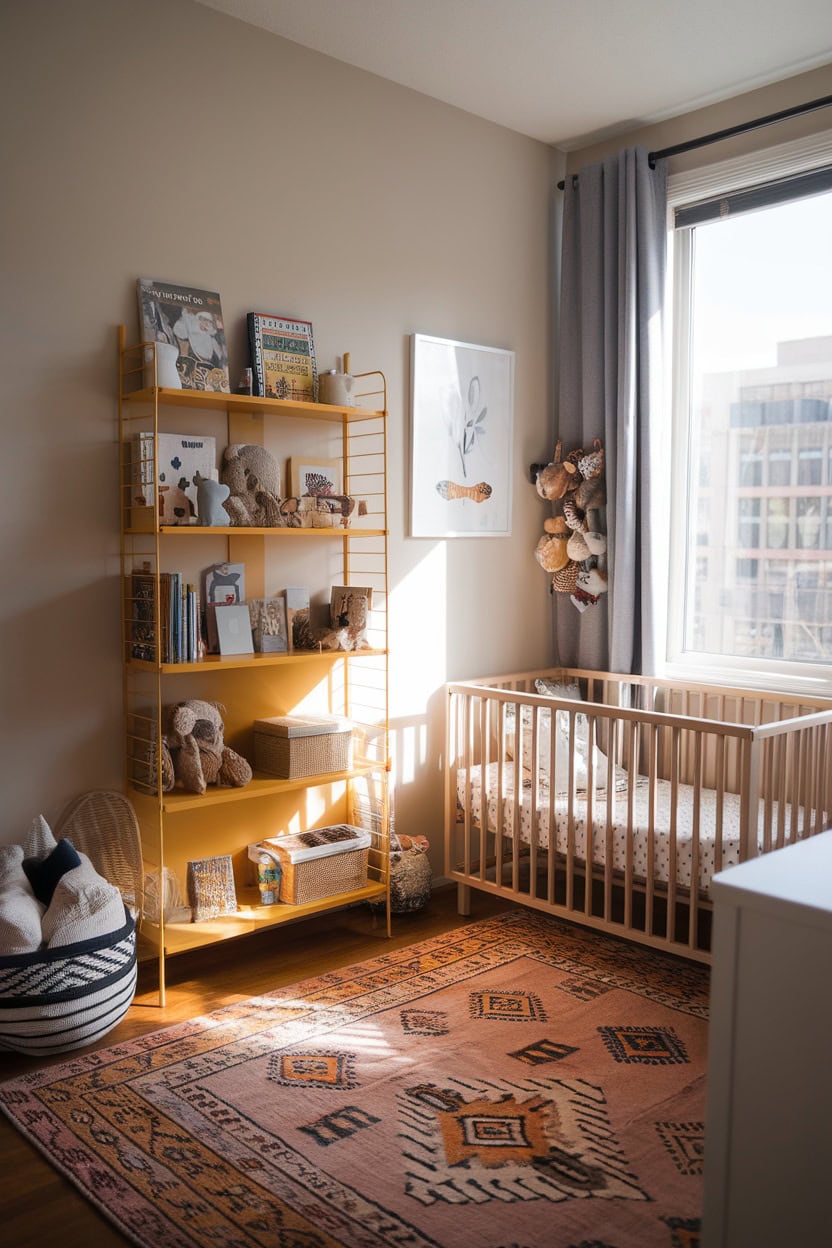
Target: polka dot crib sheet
(711, 819)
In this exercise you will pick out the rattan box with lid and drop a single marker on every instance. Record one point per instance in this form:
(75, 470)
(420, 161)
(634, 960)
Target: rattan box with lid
(320, 863)
(294, 746)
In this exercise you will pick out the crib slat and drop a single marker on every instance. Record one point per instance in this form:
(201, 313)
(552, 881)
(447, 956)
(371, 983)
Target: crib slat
(533, 816)
(720, 802)
(515, 809)
(673, 866)
(632, 776)
(570, 817)
(652, 778)
(693, 916)
(553, 824)
(612, 763)
(781, 747)
(590, 814)
(500, 816)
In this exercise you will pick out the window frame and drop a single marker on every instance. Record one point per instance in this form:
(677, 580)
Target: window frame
(778, 675)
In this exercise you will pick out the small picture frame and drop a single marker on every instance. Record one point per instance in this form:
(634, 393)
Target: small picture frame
(349, 605)
(349, 608)
(315, 476)
(268, 625)
(234, 629)
(211, 890)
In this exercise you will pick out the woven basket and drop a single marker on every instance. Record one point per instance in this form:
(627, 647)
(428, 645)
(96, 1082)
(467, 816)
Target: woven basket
(56, 1000)
(291, 757)
(323, 877)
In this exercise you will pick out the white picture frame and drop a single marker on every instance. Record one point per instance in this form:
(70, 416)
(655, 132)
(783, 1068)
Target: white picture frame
(462, 415)
(234, 629)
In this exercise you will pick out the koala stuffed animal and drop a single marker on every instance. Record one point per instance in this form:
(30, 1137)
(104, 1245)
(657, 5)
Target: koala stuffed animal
(195, 754)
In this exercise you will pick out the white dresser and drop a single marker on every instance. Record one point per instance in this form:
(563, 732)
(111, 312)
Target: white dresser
(768, 1133)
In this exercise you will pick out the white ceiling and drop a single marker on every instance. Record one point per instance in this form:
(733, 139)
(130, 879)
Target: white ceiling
(563, 71)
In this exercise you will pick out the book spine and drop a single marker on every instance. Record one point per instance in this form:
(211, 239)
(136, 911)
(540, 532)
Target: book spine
(257, 375)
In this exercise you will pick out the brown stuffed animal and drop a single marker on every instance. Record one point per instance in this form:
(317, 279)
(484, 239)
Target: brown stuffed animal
(554, 480)
(198, 755)
(253, 478)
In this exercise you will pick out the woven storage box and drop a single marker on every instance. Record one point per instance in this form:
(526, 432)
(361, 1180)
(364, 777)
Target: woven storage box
(320, 863)
(293, 746)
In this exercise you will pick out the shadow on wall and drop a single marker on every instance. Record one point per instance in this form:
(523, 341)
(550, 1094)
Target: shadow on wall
(418, 750)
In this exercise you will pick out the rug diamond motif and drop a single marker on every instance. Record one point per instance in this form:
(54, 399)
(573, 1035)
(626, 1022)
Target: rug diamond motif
(521, 1007)
(546, 1139)
(685, 1141)
(653, 1046)
(313, 1070)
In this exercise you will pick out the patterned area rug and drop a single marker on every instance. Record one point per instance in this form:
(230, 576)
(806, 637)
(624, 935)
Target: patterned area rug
(515, 1083)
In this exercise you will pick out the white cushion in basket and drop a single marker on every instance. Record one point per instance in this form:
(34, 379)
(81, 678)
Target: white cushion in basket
(20, 911)
(83, 906)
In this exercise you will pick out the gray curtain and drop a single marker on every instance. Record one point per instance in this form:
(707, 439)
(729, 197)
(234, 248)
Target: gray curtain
(610, 385)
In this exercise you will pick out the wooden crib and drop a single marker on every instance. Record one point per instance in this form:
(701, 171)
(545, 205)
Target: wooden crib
(658, 785)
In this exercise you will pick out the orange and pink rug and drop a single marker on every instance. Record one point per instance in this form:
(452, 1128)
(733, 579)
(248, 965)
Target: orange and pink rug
(515, 1083)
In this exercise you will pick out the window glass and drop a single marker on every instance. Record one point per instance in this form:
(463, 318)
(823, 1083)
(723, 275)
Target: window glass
(755, 317)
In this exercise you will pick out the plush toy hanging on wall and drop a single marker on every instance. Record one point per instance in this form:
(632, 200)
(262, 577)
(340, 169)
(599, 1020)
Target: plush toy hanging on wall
(574, 544)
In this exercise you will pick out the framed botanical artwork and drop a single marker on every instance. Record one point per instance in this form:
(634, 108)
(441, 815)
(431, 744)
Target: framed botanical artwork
(315, 476)
(462, 412)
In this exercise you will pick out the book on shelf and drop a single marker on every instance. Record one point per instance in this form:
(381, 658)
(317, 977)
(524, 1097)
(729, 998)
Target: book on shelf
(179, 614)
(188, 328)
(181, 457)
(282, 357)
(141, 615)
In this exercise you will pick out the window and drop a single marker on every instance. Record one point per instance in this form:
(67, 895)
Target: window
(750, 588)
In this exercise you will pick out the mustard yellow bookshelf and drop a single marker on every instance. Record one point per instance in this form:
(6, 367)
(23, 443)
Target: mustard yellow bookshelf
(177, 827)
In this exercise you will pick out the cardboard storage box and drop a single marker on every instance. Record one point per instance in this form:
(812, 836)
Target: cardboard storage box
(293, 746)
(320, 863)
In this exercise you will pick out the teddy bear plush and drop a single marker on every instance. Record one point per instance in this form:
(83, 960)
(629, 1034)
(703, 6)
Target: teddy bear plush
(196, 753)
(253, 478)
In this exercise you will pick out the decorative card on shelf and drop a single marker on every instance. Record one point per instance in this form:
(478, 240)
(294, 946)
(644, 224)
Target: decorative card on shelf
(268, 625)
(223, 584)
(297, 605)
(211, 890)
(315, 477)
(187, 326)
(181, 458)
(282, 357)
(234, 630)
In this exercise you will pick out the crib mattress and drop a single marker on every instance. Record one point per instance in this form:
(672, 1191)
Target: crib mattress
(684, 826)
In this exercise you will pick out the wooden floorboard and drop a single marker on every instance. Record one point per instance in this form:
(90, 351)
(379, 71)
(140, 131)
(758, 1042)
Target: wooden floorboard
(38, 1207)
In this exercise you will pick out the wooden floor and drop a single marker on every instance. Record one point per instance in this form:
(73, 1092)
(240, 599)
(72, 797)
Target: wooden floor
(39, 1208)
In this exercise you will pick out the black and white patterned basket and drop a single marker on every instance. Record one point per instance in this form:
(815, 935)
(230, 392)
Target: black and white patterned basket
(55, 1000)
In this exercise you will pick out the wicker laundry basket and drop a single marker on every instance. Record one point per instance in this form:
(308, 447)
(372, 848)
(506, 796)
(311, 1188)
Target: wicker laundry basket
(56, 1000)
(320, 863)
(294, 746)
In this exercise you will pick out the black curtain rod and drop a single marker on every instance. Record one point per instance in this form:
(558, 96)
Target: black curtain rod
(718, 135)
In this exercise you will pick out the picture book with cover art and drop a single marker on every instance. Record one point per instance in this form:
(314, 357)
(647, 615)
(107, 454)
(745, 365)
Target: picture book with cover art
(190, 322)
(282, 357)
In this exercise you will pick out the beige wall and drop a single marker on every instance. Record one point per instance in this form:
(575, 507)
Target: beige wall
(763, 102)
(159, 138)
